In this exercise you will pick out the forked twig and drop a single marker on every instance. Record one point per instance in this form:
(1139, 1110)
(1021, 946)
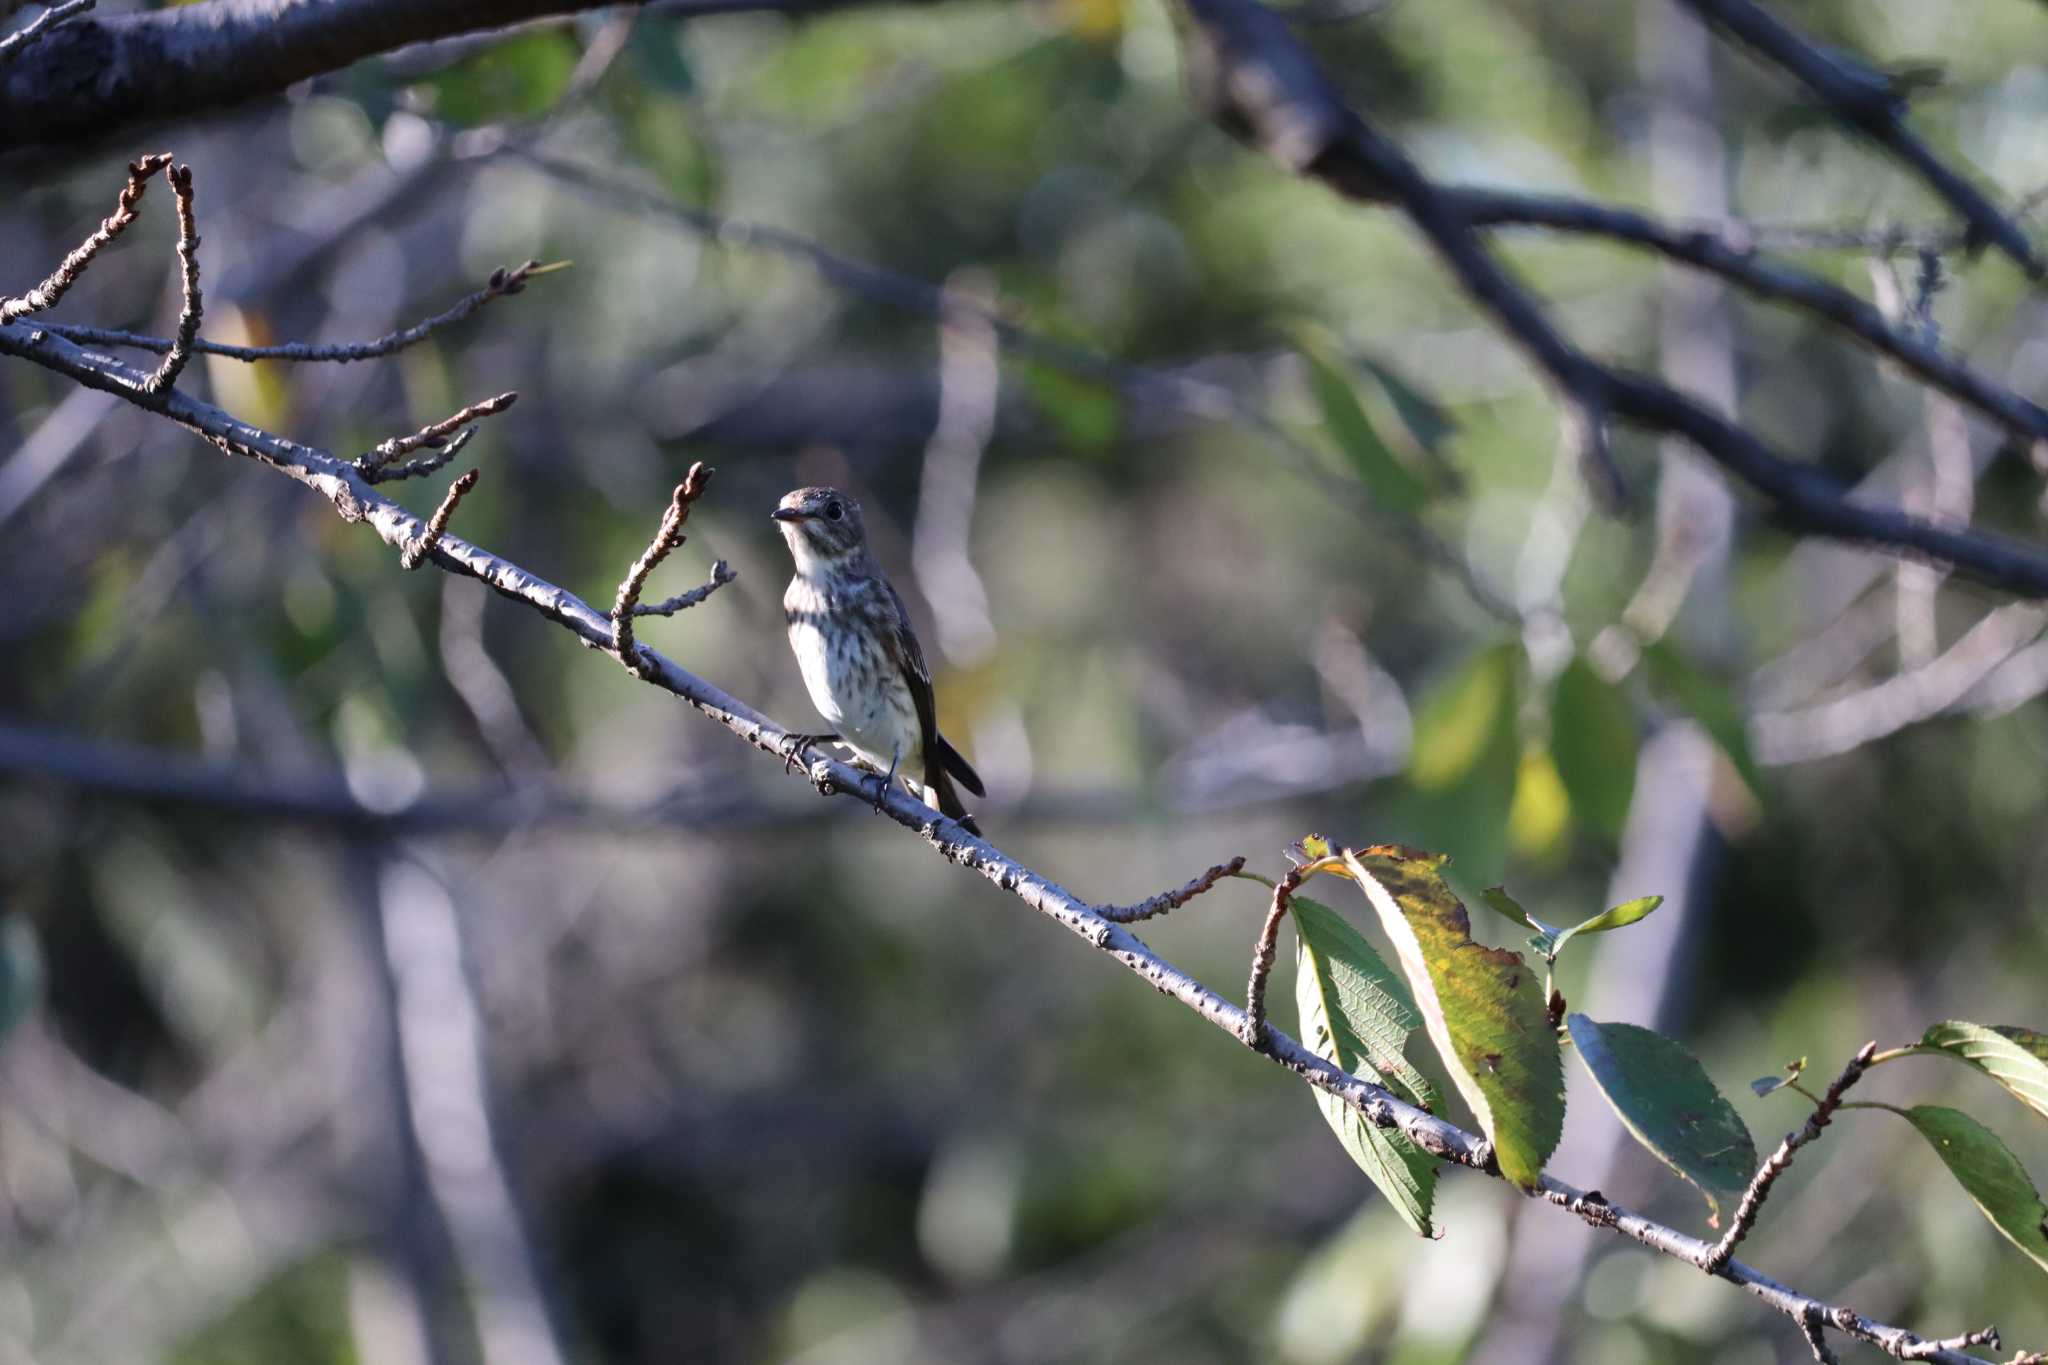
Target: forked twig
(1766, 1176)
(46, 294)
(665, 540)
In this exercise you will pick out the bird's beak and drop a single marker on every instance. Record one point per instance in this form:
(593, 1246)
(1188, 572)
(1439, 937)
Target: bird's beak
(786, 514)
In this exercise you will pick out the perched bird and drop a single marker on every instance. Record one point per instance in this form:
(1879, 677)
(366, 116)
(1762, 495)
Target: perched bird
(860, 658)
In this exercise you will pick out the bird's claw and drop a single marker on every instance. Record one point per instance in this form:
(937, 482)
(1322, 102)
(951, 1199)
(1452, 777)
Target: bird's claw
(796, 747)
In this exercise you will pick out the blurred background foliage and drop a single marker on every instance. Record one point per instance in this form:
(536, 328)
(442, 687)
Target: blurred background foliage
(392, 981)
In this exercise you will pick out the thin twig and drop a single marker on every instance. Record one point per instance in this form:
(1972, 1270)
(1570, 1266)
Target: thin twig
(15, 43)
(666, 539)
(375, 466)
(722, 573)
(1983, 1336)
(1170, 900)
(502, 282)
(356, 501)
(425, 464)
(1252, 1032)
(418, 552)
(1760, 1187)
(166, 374)
(140, 173)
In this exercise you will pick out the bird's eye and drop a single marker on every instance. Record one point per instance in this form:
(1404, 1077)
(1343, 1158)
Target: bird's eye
(833, 511)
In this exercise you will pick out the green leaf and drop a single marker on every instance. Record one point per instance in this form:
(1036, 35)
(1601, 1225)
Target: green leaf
(2016, 1058)
(1767, 1085)
(1088, 414)
(1483, 1008)
(1421, 419)
(1628, 912)
(1370, 1008)
(1457, 723)
(516, 78)
(1498, 899)
(1348, 425)
(1356, 1012)
(1593, 738)
(1989, 1173)
(1710, 702)
(1667, 1103)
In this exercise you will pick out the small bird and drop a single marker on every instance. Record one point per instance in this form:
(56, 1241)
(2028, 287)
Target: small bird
(859, 656)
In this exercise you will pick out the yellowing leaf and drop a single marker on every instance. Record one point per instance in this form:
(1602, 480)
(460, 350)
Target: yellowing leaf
(1483, 1007)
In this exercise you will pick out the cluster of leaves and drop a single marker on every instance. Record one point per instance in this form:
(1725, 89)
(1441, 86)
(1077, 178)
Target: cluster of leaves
(1501, 1039)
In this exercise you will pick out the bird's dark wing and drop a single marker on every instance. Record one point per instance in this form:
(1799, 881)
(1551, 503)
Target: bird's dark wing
(939, 756)
(908, 656)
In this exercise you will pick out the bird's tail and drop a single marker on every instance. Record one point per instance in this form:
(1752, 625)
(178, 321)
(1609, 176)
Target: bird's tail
(940, 794)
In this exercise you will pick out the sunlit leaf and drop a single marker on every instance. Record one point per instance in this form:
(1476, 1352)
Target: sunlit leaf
(1628, 912)
(1333, 385)
(1483, 1008)
(1498, 899)
(1541, 814)
(1667, 1103)
(2016, 1058)
(1356, 1012)
(1990, 1173)
(1593, 738)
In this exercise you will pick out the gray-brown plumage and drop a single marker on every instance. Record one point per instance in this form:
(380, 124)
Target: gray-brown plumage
(860, 658)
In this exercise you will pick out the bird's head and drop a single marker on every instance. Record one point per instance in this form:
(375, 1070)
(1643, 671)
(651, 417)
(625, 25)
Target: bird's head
(820, 524)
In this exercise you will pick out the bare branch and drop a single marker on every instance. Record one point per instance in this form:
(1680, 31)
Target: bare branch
(1870, 102)
(166, 374)
(420, 550)
(1266, 88)
(502, 282)
(44, 295)
(1780, 1160)
(1727, 250)
(722, 573)
(625, 606)
(97, 74)
(1170, 900)
(17, 42)
(376, 466)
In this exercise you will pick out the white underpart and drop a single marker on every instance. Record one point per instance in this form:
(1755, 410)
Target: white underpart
(876, 717)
